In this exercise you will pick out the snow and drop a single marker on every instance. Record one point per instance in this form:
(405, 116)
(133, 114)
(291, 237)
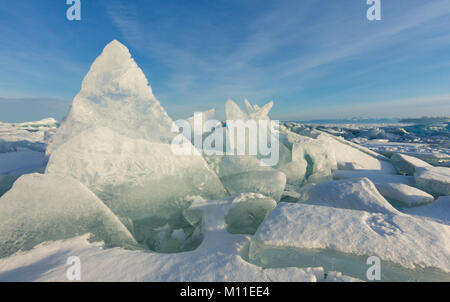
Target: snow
(114, 194)
(396, 188)
(220, 257)
(435, 180)
(41, 207)
(29, 135)
(358, 194)
(342, 239)
(407, 164)
(438, 210)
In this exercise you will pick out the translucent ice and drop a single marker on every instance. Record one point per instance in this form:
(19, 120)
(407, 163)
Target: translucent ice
(42, 207)
(115, 94)
(406, 164)
(136, 178)
(269, 183)
(117, 140)
(246, 216)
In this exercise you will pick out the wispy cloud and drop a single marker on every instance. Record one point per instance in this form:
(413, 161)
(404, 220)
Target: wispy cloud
(306, 55)
(282, 44)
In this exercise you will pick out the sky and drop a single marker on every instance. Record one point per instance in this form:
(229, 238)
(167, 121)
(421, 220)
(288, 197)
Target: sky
(316, 59)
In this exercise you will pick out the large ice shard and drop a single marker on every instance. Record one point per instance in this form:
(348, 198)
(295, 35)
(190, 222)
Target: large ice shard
(135, 178)
(44, 207)
(117, 140)
(115, 94)
(220, 257)
(246, 171)
(410, 248)
(361, 158)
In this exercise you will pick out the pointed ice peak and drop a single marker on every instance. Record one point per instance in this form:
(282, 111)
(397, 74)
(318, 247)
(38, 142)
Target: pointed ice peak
(233, 111)
(115, 72)
(254, 112)
(249, 107)
(115, 94)
(116, 47)
(263, 112)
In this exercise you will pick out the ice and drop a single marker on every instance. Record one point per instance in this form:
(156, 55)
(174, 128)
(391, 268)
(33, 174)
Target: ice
(247, 173)
(269, 183)
(42, 207)
(357, 194)
(117, 140)
(404, 195)
(310, 160)
(435, 180)
(235, 113)
(248, 213)
(22, 162)
(202, 118)
(136, 178)
(375, 176)
(407, 164)
(220, 257)
(320, 157)
(410, 248)
(115, 94)
(29, 135)
(347, 152)
(396, 188)
(438, 210)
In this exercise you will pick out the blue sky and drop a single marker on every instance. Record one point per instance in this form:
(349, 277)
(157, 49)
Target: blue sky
(317, 59)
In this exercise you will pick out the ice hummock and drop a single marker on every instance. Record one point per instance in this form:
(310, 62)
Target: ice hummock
(117, 139)
(409, 247)
(396, 188)
(40, 208)
(220, 257)
(115, 94)
(357, 194)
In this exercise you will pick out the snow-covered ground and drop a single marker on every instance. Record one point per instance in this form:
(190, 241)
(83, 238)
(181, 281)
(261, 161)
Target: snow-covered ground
(105, 187)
